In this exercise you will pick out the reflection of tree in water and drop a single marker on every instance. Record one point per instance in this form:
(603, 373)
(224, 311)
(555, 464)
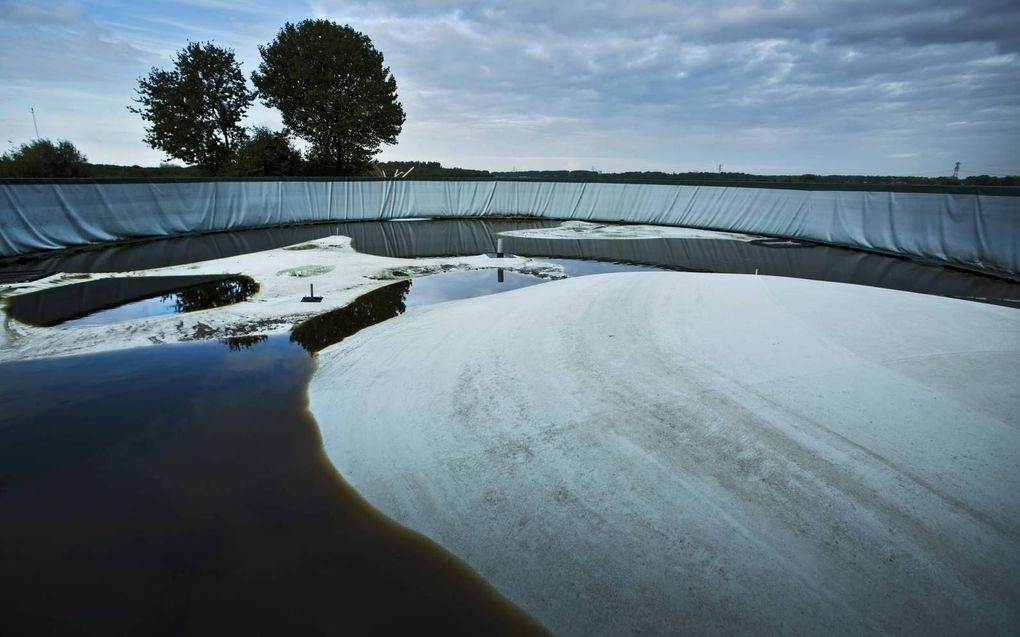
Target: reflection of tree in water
(209, 295)
(239, 343)
(368, 309)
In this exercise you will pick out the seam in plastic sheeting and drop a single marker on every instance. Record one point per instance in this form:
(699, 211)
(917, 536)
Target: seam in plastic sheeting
(973, 230)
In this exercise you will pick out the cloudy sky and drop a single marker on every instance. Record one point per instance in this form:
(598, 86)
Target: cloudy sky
(764, 86)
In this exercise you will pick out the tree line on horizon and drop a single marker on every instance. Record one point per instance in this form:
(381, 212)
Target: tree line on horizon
(43, 158)
(738, 177)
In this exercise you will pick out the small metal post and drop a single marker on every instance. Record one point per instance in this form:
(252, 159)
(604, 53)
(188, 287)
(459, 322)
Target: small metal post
(499, 248)
(311, 298)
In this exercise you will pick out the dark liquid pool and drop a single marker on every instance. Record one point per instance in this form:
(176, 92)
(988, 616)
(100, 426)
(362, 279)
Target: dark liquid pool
(183, 488)
(113, 300)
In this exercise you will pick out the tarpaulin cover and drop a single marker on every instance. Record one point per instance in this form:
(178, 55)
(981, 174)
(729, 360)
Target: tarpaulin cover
(975, 230)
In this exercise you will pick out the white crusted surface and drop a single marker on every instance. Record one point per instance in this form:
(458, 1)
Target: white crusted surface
(339, 273)
(700, 453)
(588, 230)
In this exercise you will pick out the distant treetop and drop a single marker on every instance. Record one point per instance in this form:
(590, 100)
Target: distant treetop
(43, 158)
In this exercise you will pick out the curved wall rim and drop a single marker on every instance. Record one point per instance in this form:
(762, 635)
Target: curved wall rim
(977, 228)
(1006, 191)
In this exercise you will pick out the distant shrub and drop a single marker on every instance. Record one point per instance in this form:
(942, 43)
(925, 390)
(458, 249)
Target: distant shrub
(43, 158)
(110, 171)
(265, 154)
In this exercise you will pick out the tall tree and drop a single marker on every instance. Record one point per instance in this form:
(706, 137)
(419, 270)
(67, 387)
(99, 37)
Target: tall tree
(194, 110)
(331, 86)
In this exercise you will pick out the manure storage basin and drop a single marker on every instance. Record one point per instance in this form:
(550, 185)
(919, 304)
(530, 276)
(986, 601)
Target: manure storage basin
(617, 428)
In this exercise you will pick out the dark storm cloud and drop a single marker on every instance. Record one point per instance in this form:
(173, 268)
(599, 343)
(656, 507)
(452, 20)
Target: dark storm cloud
(770, 86)
(875, 78)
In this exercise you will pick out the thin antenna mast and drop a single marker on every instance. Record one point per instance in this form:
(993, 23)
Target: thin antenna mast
(34, 123)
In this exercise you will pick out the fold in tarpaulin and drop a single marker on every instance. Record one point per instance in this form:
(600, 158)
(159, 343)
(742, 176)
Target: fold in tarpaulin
(972, 229)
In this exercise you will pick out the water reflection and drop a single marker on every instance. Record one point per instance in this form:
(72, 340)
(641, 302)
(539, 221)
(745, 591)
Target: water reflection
(580, 267)
(108, 301)
(392, 300)
(452, 286)
(210, 295)
(241, 343)
(368, 309)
